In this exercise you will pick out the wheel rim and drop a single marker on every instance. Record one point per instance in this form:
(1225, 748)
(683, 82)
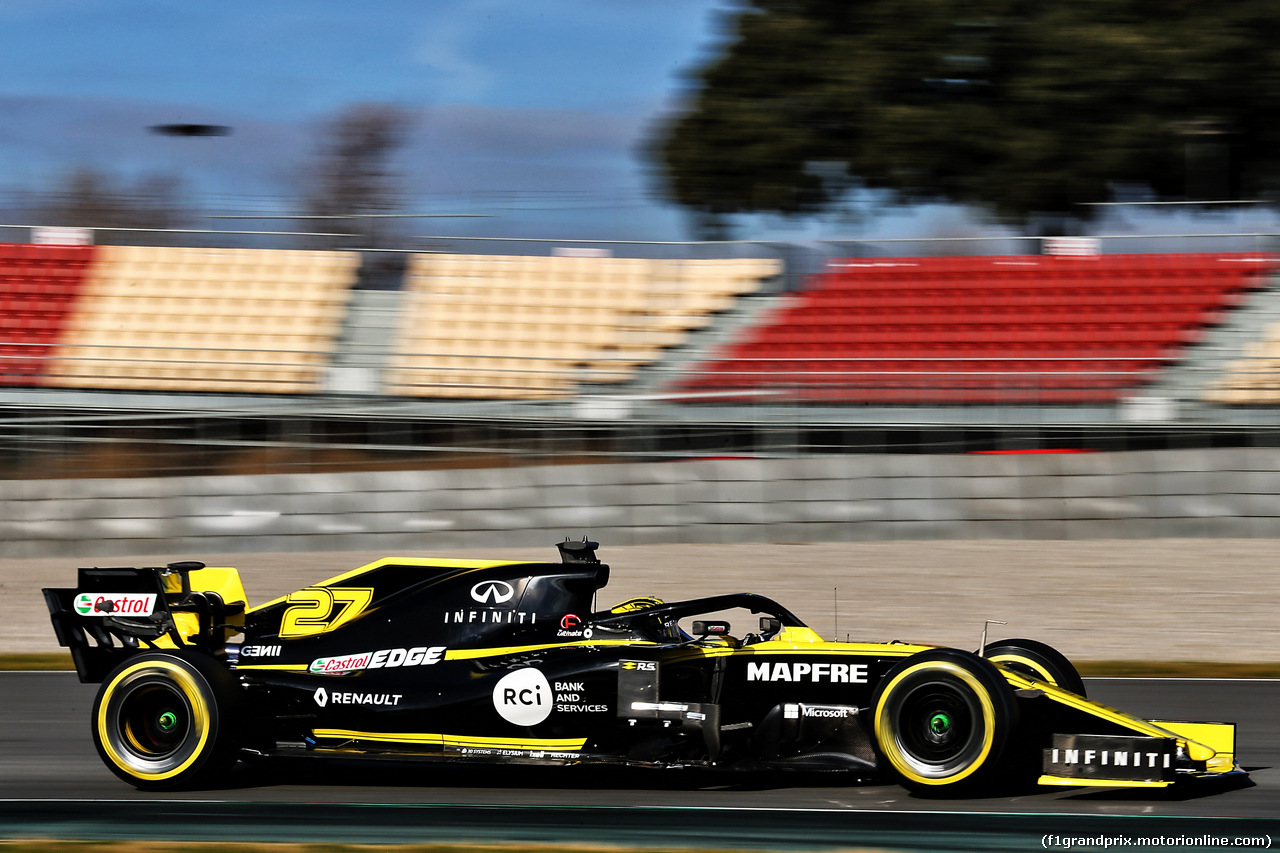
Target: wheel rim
(154, 723)
(938, 728)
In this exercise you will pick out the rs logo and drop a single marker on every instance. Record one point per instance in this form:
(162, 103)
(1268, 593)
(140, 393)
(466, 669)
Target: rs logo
(318, 609)
(493, 592)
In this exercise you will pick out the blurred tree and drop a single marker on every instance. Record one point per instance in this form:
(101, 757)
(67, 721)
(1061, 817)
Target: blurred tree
(89, 198)
(352, 179)
(1026, 109)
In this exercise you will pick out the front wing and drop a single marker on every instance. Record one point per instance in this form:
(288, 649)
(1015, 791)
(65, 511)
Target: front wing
(1124, 751)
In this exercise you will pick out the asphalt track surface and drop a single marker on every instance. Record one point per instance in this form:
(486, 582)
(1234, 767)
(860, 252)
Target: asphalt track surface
(52, 784)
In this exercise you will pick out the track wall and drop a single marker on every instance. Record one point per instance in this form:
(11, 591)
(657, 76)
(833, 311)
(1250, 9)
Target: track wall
(1141, 494)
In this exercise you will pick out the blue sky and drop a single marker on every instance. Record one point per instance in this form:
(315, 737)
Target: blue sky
(528, 109)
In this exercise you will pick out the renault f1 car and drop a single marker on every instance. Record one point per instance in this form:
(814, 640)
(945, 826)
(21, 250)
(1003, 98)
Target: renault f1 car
(511, 662)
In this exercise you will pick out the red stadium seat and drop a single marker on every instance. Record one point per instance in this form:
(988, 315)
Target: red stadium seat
(38, 285)
(1047, 325)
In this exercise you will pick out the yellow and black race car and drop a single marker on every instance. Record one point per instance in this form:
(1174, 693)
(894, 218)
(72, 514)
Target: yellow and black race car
(510, 662)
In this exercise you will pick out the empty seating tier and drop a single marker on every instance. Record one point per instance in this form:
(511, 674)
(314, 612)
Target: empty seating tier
(38, 289)
(982, 329)
(1253, 379)
(224, 320)
(491, 326)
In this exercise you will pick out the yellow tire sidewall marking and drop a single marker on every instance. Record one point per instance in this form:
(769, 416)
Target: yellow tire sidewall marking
(889, 746)
(1041, 674)
(186, 683)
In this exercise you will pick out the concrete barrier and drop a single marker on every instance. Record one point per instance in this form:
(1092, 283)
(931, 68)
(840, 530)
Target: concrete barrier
(1228, 493)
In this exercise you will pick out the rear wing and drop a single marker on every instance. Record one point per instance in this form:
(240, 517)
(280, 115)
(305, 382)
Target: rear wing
(128, 610)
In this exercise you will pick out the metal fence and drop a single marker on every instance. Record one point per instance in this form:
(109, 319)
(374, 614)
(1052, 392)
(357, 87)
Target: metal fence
(115, 435)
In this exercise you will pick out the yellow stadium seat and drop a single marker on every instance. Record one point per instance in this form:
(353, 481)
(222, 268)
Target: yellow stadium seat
(216, 304)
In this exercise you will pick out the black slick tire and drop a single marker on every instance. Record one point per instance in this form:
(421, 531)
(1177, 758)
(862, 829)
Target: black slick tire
(168, 720)
(1037, 661)
(942, 722)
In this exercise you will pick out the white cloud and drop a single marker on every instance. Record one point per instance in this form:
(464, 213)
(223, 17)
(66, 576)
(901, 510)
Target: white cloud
(444, 50)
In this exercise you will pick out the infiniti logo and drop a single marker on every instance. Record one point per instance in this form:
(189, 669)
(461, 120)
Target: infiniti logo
(493, 592)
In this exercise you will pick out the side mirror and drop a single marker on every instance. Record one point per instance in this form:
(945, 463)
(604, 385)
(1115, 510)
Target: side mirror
(770, 625)
(710, 629)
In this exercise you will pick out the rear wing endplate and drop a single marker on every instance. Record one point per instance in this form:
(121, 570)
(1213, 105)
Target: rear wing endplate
(124, 611)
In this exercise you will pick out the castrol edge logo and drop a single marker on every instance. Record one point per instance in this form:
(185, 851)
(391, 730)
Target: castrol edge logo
(115, 603)
(383, 659)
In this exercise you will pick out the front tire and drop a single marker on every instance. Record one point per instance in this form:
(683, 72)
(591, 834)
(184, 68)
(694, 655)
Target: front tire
(942, 721)
(1038, 661)
(166, 720)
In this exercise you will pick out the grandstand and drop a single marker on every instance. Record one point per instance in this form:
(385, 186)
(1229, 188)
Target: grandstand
(926, 331)
(1023, 329)
(38, 287)
(256, 321)
(1252, 379)
(534, 327)
(227, 320)
(863, 401)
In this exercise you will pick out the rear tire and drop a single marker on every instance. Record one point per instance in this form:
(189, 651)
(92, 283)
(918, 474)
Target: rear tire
(942, 721)
(164, 720)
(1038, 661)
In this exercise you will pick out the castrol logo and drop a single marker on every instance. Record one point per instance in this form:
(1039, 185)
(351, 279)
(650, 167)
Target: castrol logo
(115, 604)
(384, 658)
